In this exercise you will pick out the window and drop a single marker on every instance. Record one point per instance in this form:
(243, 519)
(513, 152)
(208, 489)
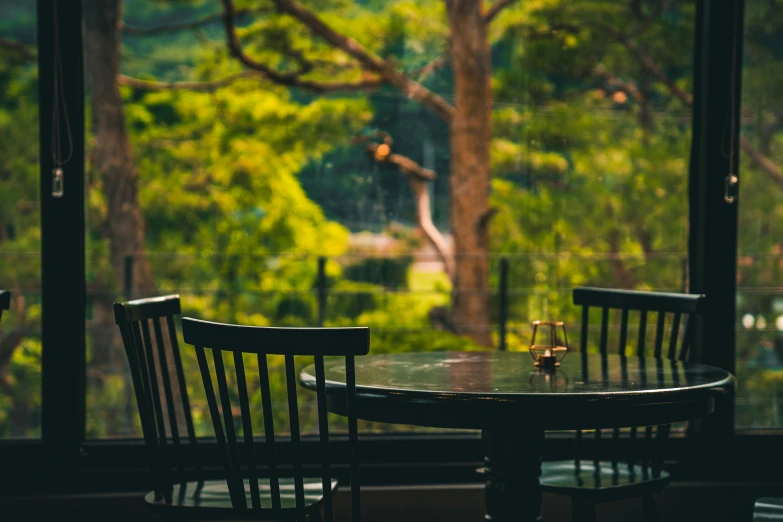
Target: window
(20, 232)
(759, 256)
(264, 202)
(257, 196)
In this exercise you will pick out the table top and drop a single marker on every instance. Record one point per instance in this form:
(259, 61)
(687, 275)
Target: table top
(484, 389)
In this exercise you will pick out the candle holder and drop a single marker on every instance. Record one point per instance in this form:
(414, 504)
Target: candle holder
(550, 355)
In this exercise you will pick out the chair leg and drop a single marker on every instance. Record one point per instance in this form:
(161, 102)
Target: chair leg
(650, 508)
(581, 512)
(315, 516)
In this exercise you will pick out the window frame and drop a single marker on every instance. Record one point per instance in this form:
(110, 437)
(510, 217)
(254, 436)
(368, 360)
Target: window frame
(64, 461)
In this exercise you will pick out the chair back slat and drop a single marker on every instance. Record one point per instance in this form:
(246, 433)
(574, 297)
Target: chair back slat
(149, 335)
(642, 333)
(323, 429)
(240, 502)
(353, 436)
(183, 397)
(247, 430)
(674, 336)
(604, 329)
(623, 330)
(214, 412)
(269, 430)
(291, 343)
(585, 324)
(169, 397)
(659, 334)
(296, 445)
(142, 334)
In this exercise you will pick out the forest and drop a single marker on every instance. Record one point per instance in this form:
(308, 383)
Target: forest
(407, 147)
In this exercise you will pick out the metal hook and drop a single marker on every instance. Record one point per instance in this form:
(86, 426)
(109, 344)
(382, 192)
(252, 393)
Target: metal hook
(731, 182)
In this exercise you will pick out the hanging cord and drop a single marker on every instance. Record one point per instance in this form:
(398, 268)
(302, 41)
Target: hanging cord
(58, 100)
(732, 179)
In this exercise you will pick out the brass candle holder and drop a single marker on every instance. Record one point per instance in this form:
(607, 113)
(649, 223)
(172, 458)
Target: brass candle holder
(550, 355)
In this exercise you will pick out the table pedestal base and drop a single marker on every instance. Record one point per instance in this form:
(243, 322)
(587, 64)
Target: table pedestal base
(512, 467)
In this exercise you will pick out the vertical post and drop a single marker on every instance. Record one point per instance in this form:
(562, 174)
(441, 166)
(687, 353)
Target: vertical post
(233, 279)
(503, 302)
(127, 284)
(321, 290)
(684, 285)
(712, 243)
(127, 293)
(62, 239)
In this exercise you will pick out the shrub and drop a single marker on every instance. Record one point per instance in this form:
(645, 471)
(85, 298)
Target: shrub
(390, 272)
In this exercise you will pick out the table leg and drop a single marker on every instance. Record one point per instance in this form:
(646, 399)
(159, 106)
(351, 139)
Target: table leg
(512, 465)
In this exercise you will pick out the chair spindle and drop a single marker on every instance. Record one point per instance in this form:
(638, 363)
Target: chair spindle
(269, 429)
(247, 430)
(323, 428)
(353, 436)
(293, 412)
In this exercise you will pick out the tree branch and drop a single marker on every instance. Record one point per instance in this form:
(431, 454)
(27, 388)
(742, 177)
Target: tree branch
(367, 59)
(205, 86)
(619, 84)
(21, 49)
(406, 165)
(289, 79)
(193, 24)
(418, 177)
(766, 164)
(423, 72)
(763, 162)
(648, 63)
(495, 10)
(213, 85)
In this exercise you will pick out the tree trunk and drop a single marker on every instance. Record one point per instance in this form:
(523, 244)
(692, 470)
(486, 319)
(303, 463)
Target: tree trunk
(114, 161)
(469, 140)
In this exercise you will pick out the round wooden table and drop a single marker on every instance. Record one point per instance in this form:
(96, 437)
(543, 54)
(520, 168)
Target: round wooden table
(514, 403)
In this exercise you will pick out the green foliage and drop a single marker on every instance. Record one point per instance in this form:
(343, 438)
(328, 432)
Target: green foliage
(244, 187)
(388, 272)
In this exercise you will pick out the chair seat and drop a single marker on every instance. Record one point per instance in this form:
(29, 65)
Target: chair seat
(768, 509)
(213, 500)
(607, 484)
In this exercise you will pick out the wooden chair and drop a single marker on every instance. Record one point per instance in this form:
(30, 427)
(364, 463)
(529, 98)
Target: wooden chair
(591, 482)
(270, 495)
(5, 301)
(150, 338)
(768, 509)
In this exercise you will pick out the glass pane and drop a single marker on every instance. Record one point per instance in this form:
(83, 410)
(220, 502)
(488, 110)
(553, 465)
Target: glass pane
(760, 256)
(245, 183)
(20, 228)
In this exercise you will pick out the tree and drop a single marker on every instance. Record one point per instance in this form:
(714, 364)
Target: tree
(113, 159)
(468, 120)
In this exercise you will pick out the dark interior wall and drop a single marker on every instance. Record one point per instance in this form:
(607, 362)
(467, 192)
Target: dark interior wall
(681, 502)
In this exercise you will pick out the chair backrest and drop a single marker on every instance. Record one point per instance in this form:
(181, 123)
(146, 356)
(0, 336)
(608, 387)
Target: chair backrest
(149, 335)
(5, 301)
(289, 342)
(682, 308)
